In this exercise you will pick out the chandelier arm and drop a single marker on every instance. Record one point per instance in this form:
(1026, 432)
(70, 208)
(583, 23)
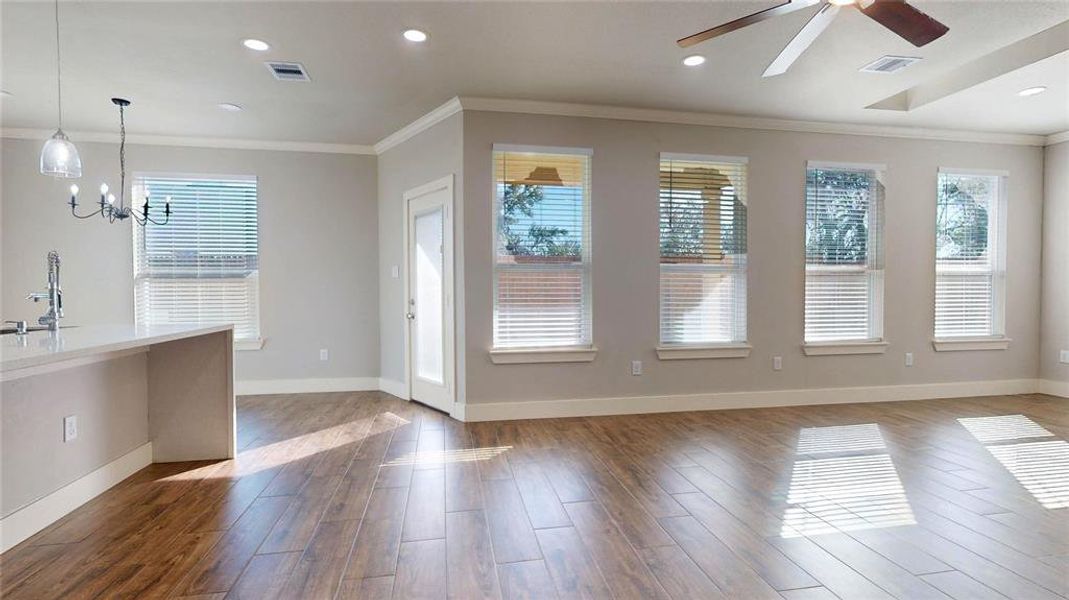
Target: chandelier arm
(88, 216)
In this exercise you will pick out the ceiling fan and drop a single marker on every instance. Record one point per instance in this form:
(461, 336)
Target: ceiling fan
(897, 15)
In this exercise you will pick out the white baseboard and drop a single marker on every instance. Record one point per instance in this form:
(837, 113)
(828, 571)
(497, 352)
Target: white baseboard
(543, 409)
(393, 387)
(32, 518)
(1054, 388)
(256, 387)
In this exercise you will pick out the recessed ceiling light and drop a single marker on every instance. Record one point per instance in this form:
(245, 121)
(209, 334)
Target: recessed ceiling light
(694, 60)
(258, 45)
(231, 107)
(415, 35)
(1032, 91)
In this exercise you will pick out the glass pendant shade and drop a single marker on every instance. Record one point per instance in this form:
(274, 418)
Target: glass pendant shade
(59, 157)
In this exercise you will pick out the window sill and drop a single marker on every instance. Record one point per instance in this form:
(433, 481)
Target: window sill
(245, 345)
(841, 348)
(699, 352)
(973, 343)
(542, 355)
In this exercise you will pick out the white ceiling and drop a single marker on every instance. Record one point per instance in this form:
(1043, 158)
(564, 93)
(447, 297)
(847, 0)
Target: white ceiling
(178, 60)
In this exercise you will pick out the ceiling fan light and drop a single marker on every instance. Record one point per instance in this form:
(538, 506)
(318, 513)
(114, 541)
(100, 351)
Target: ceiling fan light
(59, 157)
(842, 2)
(694, 60)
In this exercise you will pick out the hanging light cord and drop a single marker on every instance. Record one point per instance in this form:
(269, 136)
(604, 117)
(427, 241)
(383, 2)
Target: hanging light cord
(59, 83)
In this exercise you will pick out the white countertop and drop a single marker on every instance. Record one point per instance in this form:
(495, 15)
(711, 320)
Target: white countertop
(44, 347)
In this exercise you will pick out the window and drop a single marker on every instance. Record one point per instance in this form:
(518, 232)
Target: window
(969, 258)
(844, 253)
(202, 266)
(542, 248)
(703, 250)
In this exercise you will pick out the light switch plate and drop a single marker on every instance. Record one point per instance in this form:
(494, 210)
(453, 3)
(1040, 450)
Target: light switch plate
(395, 271)
(70, 428)
(777, 363)
(324, 354)
(1065, 357)
(909, 359)
(636, 367)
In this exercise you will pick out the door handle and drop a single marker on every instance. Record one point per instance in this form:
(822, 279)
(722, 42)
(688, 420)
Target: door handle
(410, 316)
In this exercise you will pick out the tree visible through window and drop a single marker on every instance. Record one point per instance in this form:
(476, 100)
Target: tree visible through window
(703, 250)
(844, 254)
(969, 269)
(541, 267)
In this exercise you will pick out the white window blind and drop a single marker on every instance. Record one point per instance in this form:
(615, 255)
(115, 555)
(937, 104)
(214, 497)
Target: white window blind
(202, 267)
(844, 253)
(542, 249)
(703, 250)
(970, 271)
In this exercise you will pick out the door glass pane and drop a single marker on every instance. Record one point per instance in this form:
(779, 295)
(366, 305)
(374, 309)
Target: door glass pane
(429, 308)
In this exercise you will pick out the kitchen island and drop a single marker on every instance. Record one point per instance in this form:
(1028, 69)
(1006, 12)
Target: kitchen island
(137, 396)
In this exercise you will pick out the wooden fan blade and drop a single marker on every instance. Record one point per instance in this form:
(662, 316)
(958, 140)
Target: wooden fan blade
(802, 40)
(780, 9)
(909, 23)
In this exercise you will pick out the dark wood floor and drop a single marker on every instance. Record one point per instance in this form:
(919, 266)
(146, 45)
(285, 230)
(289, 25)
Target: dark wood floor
(366, 496)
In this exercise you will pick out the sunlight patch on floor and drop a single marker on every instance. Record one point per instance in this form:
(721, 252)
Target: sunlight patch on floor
(858, 490)
(845, 494)
(840, 438)
(1003, 428)
(1041, 467)
(441, 457)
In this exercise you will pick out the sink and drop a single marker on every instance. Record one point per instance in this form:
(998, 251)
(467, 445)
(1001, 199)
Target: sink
(7, 330)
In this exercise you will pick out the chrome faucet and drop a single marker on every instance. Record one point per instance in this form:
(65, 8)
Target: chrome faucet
(54, 295)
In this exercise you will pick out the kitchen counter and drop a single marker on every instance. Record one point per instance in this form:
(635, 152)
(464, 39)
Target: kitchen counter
(38, 348)
(83, 408)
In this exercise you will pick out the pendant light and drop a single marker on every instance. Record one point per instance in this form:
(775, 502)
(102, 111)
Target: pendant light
(59, 157)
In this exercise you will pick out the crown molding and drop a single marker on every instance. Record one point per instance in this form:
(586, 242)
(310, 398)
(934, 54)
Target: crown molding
(443, 112)
(595, 111)
(193, 142)
(560, 109)
(1057, 138)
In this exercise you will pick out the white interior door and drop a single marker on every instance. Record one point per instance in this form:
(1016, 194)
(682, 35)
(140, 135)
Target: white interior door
(429, 294)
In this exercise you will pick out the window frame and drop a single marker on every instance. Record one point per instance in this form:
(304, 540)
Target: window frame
(241, 344)
(876, 343)
(583, 352)
(997, 235)
(735, 348)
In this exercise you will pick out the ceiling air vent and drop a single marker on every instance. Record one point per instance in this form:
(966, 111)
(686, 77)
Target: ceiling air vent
(889, 64)
(288, 71)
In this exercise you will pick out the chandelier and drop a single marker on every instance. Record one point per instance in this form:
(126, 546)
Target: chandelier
(107, 207)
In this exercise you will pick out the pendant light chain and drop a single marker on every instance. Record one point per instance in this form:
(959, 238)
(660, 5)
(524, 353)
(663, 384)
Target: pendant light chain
(122, 156)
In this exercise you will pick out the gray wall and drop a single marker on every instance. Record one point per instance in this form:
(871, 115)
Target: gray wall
(625, 260)
(431, 155)
(318, 249)
(110, 400)
(1055, 324)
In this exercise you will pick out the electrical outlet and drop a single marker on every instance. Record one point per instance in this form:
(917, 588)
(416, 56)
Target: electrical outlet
(324, 354)
(395, 271)
(1065, 357)
(70, 428)
(636, 367)
(777, 363)
(909, 359)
